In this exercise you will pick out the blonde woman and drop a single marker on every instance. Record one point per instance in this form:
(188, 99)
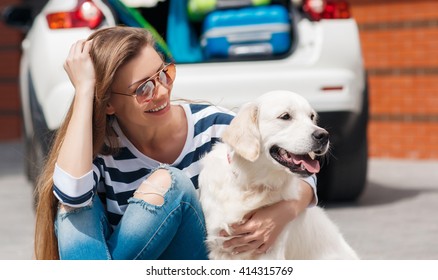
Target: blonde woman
(121, 178)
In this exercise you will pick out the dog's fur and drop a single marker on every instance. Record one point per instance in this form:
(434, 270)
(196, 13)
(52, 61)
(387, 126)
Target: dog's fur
(247, 171)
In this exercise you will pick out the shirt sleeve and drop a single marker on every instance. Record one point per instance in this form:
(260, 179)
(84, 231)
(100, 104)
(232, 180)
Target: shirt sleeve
(72, 191)
(312, 180)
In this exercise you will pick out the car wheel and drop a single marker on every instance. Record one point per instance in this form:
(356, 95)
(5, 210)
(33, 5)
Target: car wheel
(344, 178)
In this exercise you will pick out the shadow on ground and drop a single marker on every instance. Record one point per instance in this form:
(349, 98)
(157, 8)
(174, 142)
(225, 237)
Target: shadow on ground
(377, 194)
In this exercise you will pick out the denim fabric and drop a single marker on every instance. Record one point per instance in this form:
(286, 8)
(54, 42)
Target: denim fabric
(174, 230)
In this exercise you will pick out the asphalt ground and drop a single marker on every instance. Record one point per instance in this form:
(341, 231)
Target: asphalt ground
(396, 218)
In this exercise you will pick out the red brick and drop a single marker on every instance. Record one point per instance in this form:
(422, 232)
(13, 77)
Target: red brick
(404, 94)
(10, 60)
(10, 100)
(372, 11)
(11, 127)
(403, 140)
(403, 48)
(10, 37)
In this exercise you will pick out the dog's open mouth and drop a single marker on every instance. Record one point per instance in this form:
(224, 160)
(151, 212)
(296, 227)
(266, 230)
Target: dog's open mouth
(304, 165)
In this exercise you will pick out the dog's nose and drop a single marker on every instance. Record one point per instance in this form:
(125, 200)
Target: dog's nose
(321, 136)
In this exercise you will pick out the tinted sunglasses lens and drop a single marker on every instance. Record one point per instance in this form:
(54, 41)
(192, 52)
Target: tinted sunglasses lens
(145, 91)
(167, 75)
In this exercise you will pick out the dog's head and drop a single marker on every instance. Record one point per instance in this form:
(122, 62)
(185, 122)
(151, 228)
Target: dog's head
(279, 125)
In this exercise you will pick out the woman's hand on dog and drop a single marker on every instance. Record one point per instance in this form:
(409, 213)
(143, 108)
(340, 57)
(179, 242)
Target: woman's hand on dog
(260, 228)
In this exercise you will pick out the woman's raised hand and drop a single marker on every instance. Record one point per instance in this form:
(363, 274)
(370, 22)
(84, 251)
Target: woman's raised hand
(80, 69)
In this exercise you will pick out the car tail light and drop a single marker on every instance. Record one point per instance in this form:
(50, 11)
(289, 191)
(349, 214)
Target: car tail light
(326, 9)
(85, 14)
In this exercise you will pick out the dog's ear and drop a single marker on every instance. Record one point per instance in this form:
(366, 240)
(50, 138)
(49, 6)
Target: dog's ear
(243, 133)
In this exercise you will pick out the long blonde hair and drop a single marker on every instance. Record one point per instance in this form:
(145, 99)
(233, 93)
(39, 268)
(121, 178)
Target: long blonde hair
(111, 48)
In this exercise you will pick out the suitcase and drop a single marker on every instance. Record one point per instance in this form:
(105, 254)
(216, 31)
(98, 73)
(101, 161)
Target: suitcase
(246, 32)
(197, 9)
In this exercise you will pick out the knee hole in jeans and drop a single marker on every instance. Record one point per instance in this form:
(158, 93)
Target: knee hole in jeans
(153, 189)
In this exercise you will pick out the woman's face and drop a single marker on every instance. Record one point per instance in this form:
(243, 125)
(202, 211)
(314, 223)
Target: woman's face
(128, 78)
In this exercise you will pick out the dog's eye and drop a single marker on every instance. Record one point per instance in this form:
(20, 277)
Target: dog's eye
(285, 116)
(312, 117)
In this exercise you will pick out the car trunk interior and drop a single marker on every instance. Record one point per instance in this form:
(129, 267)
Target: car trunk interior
(182, 38)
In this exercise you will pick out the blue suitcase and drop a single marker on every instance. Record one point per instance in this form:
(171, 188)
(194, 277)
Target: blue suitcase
(251, 31)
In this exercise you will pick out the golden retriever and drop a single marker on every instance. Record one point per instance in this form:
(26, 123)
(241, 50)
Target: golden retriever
(269, 144)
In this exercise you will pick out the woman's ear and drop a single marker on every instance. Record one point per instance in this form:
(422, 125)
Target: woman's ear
(110, 109)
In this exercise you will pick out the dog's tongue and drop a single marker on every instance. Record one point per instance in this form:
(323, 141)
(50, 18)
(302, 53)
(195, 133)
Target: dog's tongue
(311, 165)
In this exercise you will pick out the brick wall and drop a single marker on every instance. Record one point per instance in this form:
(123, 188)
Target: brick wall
(10, 114)
(400, 46)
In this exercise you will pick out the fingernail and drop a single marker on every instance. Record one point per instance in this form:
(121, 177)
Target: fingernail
(235, 253)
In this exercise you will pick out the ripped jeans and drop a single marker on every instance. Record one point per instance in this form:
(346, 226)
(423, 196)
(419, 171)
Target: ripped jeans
(174, 230)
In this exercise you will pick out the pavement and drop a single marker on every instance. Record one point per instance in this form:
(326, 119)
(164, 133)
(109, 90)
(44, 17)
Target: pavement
(395, 218)
(16, 212)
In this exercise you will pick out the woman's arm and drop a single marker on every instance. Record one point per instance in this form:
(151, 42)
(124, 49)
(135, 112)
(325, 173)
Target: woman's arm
(260, 228)
(76, 152)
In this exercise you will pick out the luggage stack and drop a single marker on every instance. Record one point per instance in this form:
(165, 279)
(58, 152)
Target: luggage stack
(239, 29)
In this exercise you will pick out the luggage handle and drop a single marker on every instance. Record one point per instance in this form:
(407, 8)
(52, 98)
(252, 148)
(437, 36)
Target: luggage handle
(249, 37)
(250, 50)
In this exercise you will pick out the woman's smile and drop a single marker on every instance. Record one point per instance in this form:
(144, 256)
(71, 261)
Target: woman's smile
(160, 108)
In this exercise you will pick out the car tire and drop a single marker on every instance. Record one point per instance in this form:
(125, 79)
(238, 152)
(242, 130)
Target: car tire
(344, 178)
(343, 175)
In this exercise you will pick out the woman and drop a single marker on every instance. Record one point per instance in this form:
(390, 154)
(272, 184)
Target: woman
(121, 176)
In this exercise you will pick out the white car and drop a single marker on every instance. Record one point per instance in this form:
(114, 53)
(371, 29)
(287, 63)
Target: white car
(323, 63)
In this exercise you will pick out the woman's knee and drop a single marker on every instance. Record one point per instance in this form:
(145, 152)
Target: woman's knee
(154, 188)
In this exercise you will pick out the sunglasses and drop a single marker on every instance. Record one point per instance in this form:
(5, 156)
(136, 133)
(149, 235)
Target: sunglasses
(145, 92)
